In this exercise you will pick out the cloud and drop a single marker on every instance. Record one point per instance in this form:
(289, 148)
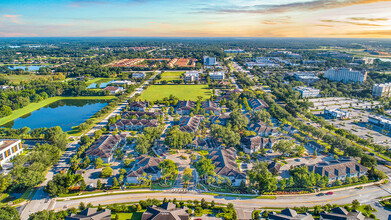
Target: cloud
(16, 34)
(13, 18)
(374, 33)
(295, 6)
(368, 19)
(87, 3)
(351, 22)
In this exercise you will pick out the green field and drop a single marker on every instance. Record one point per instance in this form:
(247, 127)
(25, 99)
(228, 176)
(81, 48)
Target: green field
(170, 76)
(183, 92)
(35, 106)
(128, 216)
(25, 78)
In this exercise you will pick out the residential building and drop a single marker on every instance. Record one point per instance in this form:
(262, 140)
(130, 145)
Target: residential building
(337, 113)
(220, 119)
(209, 61)
(138, 75)
(345, 75)
(307, 92)
(189, 124)
(133, 124)
(167, 211)
(257, 104)
(191, 76)
(113, 89)
(290, 129)
(381, 90)
(144, 164)
(91, 214)
(381, 121)
(210, 106)
(138, 106)
(341, 213)
(307, 78)
(226, 165)
(315, 145)
(289, 214)
(255, 143)
(338, 169)
(105, 146)
(274, 167)
(217, 75)
(261, 129)
(9, 149)
(185, 107)
(141, 114)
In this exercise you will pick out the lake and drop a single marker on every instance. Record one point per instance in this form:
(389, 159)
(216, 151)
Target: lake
(63, 113)
(100, 84)
(30, 68)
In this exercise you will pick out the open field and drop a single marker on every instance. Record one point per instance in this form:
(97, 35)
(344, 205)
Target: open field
(25, 78)
(184, 92)
(35, 106)
(170, 76)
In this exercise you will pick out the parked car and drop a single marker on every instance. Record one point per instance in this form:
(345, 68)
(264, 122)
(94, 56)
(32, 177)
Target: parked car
(329, 193)
(321, 194)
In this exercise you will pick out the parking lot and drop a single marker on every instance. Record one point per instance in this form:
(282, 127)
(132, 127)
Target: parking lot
(341, 102)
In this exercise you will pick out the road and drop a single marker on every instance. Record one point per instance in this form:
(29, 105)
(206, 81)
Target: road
(41, 200)
(367, 195)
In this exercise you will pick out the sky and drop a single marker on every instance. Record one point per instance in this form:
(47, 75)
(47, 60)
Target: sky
(196, 18)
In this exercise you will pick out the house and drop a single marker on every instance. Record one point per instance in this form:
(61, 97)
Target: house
(9, 149)
(255, 143)
(219, 119)
(289, 214)
(205, 144)
(189, 124)
(226, 165)
(341, 213)
(113, 89)
(144, 164)
(210, 106)
(290, 129)
(141, 114)
(104, 147)
(138, 106)
(316, 146)
(274, 167)
(167, 211)
(138, 75)
(338, 169)
(261, 129)
(257, 104)
(133, 124)
(185, 107)
(91, 214)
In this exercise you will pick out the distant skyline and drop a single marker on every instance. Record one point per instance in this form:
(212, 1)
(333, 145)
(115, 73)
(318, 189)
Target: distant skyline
(196, 18)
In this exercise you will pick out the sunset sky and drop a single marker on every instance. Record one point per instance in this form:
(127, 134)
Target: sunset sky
(196, 18)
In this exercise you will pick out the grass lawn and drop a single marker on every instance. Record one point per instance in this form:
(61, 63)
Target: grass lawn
(128, 216)
(170, 76)
(35, 106)
(183, 92)
(25, 78)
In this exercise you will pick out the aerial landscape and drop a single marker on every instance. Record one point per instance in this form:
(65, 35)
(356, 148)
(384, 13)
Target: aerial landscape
(177, 110)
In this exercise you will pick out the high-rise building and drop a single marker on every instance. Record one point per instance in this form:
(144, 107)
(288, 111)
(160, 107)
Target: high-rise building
(382, 90)
(345, 75)
(209, 61)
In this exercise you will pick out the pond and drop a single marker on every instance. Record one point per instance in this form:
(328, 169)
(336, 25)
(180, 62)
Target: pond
(100, 84)
(63, 113)
(30, 68)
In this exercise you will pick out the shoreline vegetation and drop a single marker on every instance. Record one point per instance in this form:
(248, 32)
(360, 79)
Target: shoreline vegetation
(35, 106)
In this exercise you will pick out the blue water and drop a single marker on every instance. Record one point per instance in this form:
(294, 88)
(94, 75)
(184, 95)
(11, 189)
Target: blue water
(101, 85)
(63, 113)
(30, 68)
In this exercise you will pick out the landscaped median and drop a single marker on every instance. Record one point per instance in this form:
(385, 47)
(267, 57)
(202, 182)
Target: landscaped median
(35, 106)
(100, 194)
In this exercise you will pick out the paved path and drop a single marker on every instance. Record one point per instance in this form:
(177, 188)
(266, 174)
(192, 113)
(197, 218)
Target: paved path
(41, 200)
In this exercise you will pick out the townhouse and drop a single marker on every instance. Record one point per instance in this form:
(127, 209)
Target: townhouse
(105, 146)
(189, 124)
(133, 124)
(185, 107)
(261, 129)
(255, 143)
(144, 164)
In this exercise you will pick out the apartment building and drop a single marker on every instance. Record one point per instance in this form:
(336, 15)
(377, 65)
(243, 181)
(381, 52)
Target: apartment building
(381, 90)
(9, 149)
(346, 75)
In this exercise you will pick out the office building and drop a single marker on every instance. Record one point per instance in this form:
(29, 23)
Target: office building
(138, 75)
(9, 149)
(216, 75)
(381, 90)
(337, 113)
(345, 75)
(307, 92)
(381, 121)
(209, 61)
(307, 78)
(191, 76)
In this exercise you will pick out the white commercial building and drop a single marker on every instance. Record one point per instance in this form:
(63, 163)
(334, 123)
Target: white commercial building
(216, 75)
(380, 121)
(306, 77)
(191, 76)
(209, 61)
(307, 92)
(345, 75)
(381, 90)
(9, 149)
(337, 113)
(138, 75)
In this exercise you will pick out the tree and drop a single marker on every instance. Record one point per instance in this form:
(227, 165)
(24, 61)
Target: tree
(205, 168)
(355, 204)
(86, 162)
(261, 178)
(284, 146)
(237, 119)
(85, 139)
(99, 184)
(225, 134)
(9, 213)
(169, 169)
(98, 163)
(187, 175)
(82, 206)
(261, 115)
(176, 138)
(115, 183)
(122, 171)
(106, 172)
(368, 161)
